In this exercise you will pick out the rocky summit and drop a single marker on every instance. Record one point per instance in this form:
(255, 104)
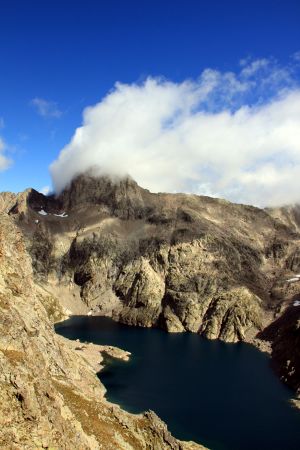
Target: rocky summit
(180, 262)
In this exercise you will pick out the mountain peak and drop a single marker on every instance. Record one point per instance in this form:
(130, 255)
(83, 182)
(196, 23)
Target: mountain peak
(123, 195)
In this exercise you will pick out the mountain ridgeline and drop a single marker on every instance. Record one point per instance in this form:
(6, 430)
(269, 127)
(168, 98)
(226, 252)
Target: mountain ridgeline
(180, 262)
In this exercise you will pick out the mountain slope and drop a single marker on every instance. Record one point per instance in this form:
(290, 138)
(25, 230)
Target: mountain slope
(50, 396)
(176, 261)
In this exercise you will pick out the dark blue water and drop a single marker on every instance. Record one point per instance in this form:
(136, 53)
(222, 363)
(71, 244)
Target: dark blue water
(222, 395)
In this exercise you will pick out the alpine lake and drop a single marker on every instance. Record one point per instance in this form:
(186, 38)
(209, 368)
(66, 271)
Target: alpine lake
(224, 396)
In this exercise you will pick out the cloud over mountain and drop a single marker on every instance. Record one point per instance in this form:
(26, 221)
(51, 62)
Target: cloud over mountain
(233, 135)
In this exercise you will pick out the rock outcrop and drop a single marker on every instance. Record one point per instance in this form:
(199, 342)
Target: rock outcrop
(50, 396)
(7, 200)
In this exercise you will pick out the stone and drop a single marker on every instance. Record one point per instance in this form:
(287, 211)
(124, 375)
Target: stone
(176, 261)
(50, 395)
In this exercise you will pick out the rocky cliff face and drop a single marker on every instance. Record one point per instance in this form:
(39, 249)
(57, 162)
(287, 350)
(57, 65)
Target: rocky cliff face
(7, 201)
(176, 261)
(50, 396)
(284, 335)
(123, 197)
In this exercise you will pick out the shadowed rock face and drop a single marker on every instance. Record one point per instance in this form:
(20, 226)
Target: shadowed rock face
(177, 261)
(50, 396)
(123, 197)
(284, 334)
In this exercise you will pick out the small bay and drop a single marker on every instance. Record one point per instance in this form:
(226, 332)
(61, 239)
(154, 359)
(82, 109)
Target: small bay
(224, 396)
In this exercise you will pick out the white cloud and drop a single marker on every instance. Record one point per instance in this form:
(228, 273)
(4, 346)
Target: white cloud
(5, 162)
(46, 108)
(231, 135)
(253, 67)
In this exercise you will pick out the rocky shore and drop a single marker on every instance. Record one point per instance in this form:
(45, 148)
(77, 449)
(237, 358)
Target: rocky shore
(94, 353)
(50, 396)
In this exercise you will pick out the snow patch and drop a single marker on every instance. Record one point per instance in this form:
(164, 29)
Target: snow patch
(293, 279)
(42, 212)
(296, 303)
(61, 215)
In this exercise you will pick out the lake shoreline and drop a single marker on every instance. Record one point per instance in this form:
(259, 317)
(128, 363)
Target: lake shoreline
(263, 346)
(95, 355)
(152, 375)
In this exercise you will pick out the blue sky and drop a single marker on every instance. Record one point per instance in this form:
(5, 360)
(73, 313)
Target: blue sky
(58, 57)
